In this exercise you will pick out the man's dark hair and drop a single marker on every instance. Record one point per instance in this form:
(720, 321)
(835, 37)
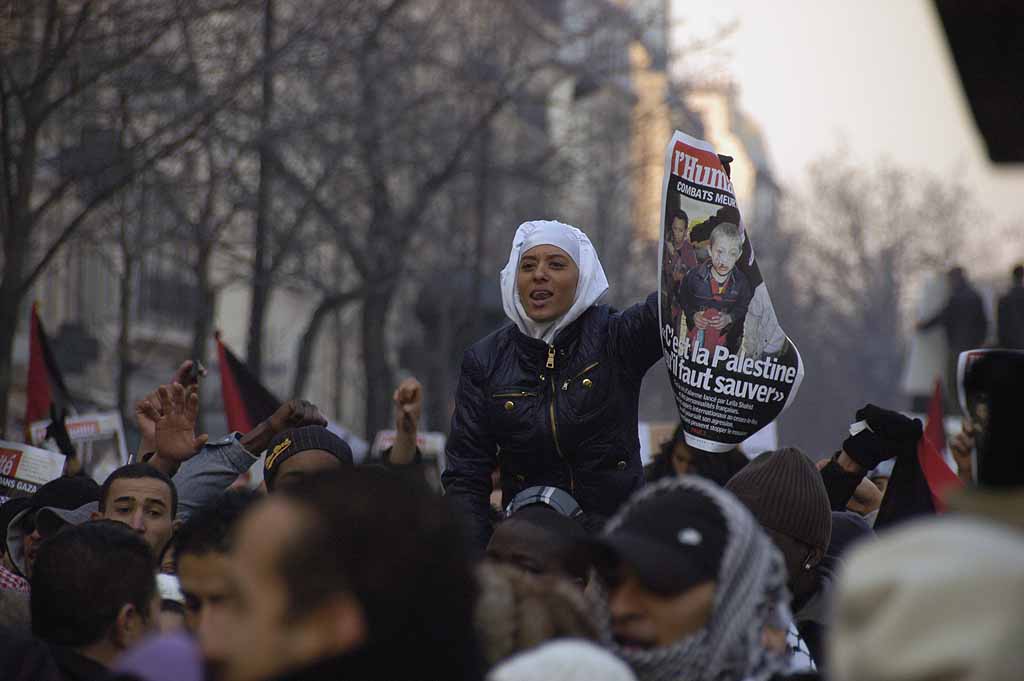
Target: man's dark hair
(138, 471)
(1018, 273)
(209, 529)
(397, 549)
(82, 578)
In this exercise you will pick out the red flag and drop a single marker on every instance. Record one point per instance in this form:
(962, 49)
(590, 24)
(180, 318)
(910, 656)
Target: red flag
(246, 401)
(37, 402)
(45, 385)
(937, 473)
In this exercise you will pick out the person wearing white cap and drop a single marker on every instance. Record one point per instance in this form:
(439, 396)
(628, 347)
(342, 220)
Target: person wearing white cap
(551, 399)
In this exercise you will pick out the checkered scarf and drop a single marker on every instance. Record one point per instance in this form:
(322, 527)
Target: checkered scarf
(751, 582)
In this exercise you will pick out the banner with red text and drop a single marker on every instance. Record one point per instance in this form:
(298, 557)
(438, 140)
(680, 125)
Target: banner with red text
(24, 469)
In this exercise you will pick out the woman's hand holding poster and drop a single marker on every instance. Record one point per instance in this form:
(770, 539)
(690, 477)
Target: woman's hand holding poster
(732, 368)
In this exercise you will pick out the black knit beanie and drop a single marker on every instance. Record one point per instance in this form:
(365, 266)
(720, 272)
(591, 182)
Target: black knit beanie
(290, 442)
(785, 492)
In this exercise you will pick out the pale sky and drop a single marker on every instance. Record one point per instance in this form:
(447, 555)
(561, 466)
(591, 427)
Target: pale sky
(874, 77)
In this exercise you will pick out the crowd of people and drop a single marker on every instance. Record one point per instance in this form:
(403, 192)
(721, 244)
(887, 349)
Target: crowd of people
(553, 553)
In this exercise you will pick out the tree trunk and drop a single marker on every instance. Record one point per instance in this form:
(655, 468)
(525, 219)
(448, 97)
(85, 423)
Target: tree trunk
(206, 298)
(339, 342)
(16, 251)
(307, 345)
(8, 329)
(202, 323)
(379, 377)
(260, 267)
(124, 347)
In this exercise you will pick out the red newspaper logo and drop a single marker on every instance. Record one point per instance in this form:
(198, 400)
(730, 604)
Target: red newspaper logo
(83, 429)
(9, 460)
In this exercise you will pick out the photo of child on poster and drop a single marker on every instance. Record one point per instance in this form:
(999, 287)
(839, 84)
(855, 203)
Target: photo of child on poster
(732, 368)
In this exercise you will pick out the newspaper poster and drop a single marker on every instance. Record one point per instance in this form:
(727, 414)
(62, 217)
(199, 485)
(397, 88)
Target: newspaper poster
(731, 366)
(974, 406)
(24, 469)
(98, 437)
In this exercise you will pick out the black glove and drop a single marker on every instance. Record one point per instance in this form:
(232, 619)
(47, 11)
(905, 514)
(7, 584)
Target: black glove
(867, 449)
(892, 426)
(892, 434)
(59, 432)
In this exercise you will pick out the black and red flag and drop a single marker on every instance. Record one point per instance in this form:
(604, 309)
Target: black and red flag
(45, 385)
(246, 401)
(937, 473)
(919, 483)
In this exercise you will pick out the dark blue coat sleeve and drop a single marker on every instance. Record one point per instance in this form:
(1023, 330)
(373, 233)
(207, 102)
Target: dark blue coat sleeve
(471, 454)
(635, 336)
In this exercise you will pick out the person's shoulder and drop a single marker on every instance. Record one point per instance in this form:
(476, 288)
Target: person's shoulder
(742, 280)
(499, 336)
(482, 352)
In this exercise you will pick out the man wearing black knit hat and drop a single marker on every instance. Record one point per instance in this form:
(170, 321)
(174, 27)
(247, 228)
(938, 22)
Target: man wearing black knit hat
(785, 492)
(302, 452)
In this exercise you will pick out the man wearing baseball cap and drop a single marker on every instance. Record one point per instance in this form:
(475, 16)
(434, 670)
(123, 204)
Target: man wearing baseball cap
(689, 585)
(64, 500)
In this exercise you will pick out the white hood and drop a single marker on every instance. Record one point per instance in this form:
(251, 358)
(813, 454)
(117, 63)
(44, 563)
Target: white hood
(590, 289)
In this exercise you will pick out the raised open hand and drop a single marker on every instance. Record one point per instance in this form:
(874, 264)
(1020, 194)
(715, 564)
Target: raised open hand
(147, 413)
(175, 421)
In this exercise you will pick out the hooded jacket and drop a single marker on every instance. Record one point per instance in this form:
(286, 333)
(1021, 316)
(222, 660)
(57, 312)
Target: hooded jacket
(553, 403)
(563, 414)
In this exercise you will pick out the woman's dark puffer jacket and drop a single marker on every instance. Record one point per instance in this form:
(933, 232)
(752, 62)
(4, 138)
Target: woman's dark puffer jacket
(562, 415)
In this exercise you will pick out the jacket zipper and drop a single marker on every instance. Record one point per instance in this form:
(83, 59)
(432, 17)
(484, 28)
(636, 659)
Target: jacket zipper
(565, 386)
(554, 423)
(521, 393)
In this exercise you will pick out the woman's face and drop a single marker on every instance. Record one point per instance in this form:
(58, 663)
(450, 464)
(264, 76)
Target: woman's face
(546, 282)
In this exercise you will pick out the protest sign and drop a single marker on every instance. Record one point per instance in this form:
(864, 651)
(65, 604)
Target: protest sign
(731, 366)
(973, 406)
(24, 469)
(98, 438)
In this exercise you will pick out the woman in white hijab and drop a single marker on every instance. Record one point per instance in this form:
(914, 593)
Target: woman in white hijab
(551, 399)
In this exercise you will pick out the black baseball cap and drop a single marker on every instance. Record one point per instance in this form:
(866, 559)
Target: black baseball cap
(673, 541)
(66, 492)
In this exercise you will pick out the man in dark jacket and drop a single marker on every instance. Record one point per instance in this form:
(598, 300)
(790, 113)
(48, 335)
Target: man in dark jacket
(93, 596)
(786, 494)
(964, 321)
(351, 575)
(1011, 313)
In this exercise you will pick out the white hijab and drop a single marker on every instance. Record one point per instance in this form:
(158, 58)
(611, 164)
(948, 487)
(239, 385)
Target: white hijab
(590, 288)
